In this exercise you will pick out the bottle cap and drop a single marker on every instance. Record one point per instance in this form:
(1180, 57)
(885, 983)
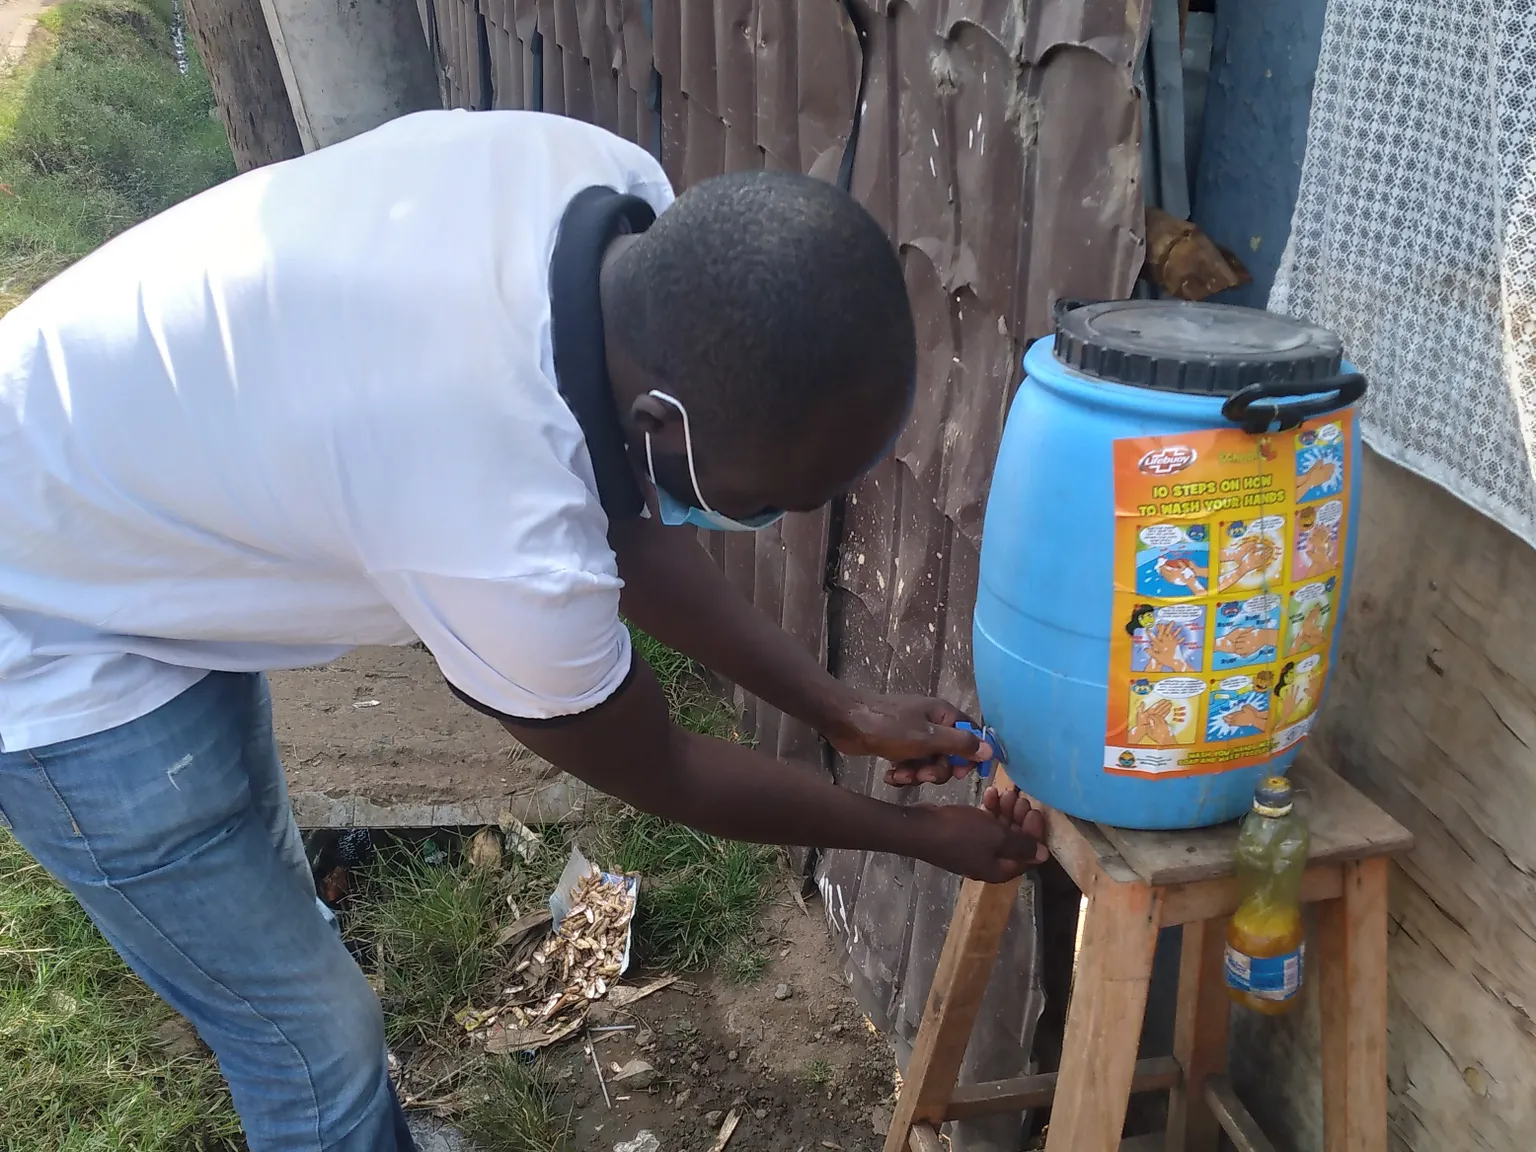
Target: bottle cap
(1273, 797)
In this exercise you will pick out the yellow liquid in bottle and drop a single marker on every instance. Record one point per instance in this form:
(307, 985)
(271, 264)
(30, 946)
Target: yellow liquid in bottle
(1265, 939)
(1263, 931)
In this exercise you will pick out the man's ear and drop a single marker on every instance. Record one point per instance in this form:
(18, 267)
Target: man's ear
(655, 416)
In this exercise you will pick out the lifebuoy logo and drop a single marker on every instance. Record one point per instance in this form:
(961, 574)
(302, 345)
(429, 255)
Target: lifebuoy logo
(1167, 461)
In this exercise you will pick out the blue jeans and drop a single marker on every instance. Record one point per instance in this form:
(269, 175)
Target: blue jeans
(175, 833)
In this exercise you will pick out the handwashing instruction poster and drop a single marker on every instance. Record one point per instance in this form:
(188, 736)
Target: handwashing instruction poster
(1229, 552)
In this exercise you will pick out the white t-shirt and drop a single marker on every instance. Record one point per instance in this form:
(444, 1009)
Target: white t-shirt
(312, 408)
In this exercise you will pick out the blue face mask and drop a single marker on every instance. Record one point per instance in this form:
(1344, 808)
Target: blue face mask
(674, 513)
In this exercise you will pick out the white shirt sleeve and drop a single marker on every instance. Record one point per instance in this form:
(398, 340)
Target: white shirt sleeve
(534, 647)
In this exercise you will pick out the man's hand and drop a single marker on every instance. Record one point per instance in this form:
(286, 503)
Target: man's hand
(627, 747)
(996, 842)
(916, 734)
(674, 591)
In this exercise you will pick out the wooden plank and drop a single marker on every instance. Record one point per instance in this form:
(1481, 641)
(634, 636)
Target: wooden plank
(924, 1139)
(1352, 962)
(1244, 1131)
(1109, 998)
(1025, 1092)
(1199, 1036)
(954, 998)
(1344, 826)
(1208, 899)
(1079, 846)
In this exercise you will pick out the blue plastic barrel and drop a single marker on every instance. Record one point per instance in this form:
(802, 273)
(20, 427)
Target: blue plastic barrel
(1166, 557)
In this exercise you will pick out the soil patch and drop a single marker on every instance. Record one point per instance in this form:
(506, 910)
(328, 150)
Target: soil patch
(377, 740)
(806, 1073)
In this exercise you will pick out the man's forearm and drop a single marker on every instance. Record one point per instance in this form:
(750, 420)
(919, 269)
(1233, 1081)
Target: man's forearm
(674, 592)
(736, 793)
(733, 792)
(628, 748)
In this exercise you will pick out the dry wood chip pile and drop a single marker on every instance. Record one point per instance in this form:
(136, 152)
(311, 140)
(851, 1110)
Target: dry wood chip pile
(554, 982)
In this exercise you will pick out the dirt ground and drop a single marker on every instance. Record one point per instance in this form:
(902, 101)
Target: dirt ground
(379, 733)
(376, 739)
(807, 1073)
(17, 19)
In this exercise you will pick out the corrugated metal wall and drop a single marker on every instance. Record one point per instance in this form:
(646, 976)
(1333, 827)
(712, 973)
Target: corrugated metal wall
(998, 143)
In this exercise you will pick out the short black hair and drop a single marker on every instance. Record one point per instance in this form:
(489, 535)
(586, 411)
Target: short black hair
(762, 296)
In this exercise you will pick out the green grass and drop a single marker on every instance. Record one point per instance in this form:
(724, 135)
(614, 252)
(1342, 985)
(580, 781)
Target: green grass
(817, 1073)
(745, 965)
(517, 1111)
(98, 131)
(695, 704)
(430, 929)
(81, 1066)
(700, 895)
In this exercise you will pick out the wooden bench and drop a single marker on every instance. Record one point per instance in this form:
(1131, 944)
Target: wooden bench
(1137, 883)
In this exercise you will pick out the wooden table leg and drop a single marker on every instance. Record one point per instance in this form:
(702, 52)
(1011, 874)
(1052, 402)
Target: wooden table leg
(1352, 970)
(959, 981)
(1109, 999)
(1199, 1036)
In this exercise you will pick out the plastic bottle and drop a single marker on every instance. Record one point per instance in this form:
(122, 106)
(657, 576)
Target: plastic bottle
(1266, 949)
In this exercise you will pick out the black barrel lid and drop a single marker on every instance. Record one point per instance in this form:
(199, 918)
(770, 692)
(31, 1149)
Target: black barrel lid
(1181, 346)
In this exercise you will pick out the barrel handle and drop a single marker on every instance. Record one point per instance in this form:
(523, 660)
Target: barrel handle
(1069, 304)
(1330, 394)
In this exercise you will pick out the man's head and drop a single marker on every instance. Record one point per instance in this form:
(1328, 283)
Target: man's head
(772, 307)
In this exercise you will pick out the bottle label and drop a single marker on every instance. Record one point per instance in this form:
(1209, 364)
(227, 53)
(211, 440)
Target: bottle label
(1266, 977)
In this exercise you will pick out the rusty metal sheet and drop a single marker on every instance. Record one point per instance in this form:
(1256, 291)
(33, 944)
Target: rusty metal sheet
(452, 46)
(826, 66)
(803, 613)
(921, 447)
(776, 64)
(629, 17)
(735, 65)
(991, 126)
(506, 53)
(918, 587)
(525, 16)
(1112, 31)
(979, 162)
(957, 684)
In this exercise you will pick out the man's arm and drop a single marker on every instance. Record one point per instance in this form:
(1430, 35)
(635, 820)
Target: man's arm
(674, 592)
(628, 748)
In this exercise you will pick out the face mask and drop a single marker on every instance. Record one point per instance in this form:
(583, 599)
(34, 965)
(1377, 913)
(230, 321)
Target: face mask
(674, 513)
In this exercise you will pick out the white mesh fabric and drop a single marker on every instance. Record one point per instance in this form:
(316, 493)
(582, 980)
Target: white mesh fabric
(1414, 235)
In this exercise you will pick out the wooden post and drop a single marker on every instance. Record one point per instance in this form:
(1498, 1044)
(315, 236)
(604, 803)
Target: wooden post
(1109, 1000)
(954, 998)
(351, 65)
(1352, 963)
(1199, 1036)
(236, 50)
